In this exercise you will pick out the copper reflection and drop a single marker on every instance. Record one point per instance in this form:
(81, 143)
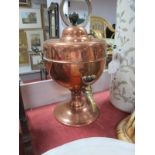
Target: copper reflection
(75, 61)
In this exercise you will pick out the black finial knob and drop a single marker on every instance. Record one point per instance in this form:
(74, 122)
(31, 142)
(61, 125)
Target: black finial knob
(73, 17)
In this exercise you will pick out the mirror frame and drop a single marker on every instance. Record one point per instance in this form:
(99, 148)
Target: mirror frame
(66, 20)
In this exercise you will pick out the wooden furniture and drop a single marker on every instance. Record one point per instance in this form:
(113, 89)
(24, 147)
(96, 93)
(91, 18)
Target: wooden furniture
(43, 74)
(99, 26)
(24, 127)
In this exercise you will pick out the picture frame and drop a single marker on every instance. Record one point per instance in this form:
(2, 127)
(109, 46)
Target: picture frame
(35, 40)
(25, 3)
(22, 39)
(45, 20)
(35, 59)
(44, 16)
(29, 18)
(23, 53)
(23, 56)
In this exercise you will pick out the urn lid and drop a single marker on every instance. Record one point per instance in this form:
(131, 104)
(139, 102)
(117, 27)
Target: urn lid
(74, 45)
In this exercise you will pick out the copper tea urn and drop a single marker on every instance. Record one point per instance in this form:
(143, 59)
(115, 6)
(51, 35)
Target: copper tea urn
(75, 61)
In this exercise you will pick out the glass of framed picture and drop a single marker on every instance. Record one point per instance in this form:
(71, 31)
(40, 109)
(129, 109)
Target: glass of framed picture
(35, 59)
(35, 40)
(29, 18)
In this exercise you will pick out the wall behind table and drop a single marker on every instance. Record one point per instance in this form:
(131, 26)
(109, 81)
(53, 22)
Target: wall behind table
(105, 9)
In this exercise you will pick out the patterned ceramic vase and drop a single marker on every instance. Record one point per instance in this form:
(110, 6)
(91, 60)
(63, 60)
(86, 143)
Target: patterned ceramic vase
(122, 87)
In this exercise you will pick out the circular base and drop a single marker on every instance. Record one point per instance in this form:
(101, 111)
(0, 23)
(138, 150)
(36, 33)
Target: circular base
(67, 115)
(122, 133)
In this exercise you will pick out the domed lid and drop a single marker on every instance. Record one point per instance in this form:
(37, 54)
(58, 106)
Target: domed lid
(74, 45)
(74, 34)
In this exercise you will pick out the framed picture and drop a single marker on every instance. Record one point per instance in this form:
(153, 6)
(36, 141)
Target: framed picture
(35, 60)
(44, 16)
(23, 53)
(22, 39)
(23, 56)
(26, 3)
(35, 40)
(29, 18)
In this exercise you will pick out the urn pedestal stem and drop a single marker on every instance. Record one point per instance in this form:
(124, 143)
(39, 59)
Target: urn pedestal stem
(77, 112)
